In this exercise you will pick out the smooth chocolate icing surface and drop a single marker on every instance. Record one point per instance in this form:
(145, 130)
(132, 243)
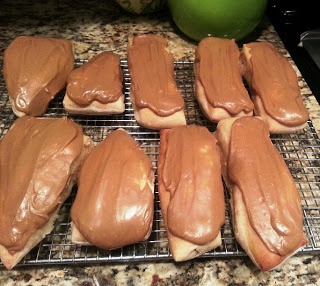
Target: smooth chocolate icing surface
(114, 203)
(269, 191)
(36, 159)
(273, 79)
(218, 68)
(152, 71)
(192, 175)
(100, 79)
(35, 69)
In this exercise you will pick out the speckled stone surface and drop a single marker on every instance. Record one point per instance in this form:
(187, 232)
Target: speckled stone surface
(95, 26)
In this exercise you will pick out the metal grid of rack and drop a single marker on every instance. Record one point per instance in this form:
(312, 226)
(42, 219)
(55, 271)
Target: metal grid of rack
(299, 150)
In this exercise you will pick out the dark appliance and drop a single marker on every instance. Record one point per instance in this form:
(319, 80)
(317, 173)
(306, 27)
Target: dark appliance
(298, 25)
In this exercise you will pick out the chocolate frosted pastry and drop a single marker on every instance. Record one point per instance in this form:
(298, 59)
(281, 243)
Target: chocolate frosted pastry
(39, 162)
(219, 87)
(265, 203)
(190, 190)
(274, 88)
(114, 203)
(156, 100)
(95, 88)
(35, 69)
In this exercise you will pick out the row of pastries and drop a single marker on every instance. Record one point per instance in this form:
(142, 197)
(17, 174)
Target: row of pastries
(42, 158)
(36, 69)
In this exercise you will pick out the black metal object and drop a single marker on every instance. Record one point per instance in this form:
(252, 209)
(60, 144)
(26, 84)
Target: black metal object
(291, 19)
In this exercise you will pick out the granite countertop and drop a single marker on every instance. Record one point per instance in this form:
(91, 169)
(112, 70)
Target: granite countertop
(95, 26)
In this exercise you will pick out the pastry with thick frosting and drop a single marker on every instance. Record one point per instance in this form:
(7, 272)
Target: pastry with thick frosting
(114, 203)
(156, 99)
(265, 203)
(274, 88)
(35, 69)
(219, 87)
(95, 88)
(39, 162)
(190, 190)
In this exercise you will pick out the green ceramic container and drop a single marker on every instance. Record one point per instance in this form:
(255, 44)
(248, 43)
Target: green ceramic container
(220, 18)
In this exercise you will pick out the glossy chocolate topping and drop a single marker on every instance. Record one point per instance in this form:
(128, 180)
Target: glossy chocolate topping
(192, 175)
(152, 72)
(269, 191)
(36, 156)
(100, 79)
(273, 79)
(218, 69)
(35, 70)
(114, 203)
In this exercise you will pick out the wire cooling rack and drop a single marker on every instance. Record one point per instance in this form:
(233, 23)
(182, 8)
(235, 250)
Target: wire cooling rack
(299, 150)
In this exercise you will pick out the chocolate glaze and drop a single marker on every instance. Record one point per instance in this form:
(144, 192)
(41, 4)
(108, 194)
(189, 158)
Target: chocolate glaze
(114, 203)
(269, 192)
(271, 77)
(219, 71)
(100, 79)
(36, 157)
(35, 69)
(152, 72)
(192, 175)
